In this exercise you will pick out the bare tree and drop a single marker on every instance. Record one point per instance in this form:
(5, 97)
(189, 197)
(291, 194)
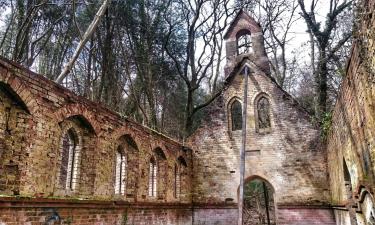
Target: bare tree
(90, 30)
(276, 17)
(203, 21)
(279, 19)
(328, 44)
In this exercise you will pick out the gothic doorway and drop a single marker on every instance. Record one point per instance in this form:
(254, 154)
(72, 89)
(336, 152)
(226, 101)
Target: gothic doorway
(259, 205)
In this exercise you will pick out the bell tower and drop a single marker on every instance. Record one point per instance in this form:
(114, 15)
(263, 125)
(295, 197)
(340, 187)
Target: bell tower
(244, 39)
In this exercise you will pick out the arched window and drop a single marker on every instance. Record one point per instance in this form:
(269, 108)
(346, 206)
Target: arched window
(177, 181)
(179, 172)
(69, 160)
(126, 167)
(120, 178)
(263, 113)
(152, 179)
(244, 44)
(347, 181)
(236, 114)
(371, 219)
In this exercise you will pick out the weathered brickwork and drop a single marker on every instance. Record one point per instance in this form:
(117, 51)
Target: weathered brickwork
(59, 159)
(93, 213)
(213, 215)
(298, 216)
(35, 116)
(351, 142)
(289, 154)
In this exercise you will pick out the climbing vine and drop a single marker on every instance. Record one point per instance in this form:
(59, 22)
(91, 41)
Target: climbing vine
(326, 124)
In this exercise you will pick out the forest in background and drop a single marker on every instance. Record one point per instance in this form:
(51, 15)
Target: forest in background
(160, 62)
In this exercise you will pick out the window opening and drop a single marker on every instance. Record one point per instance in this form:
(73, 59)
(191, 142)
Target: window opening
(177, 181)
(371, 220)
(236, 114)
(7, 118)
(244, 44)
(347, 181)
(69, 161)
(263, 108)
(152, 178)
(120, 183)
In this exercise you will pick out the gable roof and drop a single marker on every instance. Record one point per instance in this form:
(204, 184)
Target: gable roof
(242, 63)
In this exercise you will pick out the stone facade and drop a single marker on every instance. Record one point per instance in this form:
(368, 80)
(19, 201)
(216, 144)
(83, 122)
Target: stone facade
(289, 154)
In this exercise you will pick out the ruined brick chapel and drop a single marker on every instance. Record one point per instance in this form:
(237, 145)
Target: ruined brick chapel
(67, 160)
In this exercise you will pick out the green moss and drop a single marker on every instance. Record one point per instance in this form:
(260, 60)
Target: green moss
(124, 218)
(326, 124)
(68, 221)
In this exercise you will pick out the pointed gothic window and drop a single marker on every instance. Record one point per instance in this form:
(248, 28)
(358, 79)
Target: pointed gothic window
(263, 113)
(244, 44)
(177, 181)
(179, 174)
(347, 181)
(120, 178)
(69, 160)
(236, 114)
(152, 181)
(371, 219)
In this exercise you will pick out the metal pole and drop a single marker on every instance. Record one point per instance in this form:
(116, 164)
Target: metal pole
(266, 199)
(242, 151)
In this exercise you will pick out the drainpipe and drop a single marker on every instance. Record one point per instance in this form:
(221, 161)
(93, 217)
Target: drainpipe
(243, 147)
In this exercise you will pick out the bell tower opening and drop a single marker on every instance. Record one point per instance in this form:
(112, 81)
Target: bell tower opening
(244, 43)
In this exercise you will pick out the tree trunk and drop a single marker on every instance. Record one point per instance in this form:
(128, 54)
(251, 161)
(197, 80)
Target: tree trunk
(90, 30)
(189, 111)
(321, 77)
(107, 62)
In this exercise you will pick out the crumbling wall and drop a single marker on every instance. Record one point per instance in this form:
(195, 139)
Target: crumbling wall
(289, 155)
(35, 113)
(351, 140)
(92, 213)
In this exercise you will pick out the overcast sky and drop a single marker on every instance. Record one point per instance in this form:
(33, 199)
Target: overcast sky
(298, 35)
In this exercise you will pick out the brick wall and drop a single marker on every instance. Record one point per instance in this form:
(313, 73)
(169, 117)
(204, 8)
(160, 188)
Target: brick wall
(215, 215)
(289, 155)
(243, 24)
(351, 138)
(36, 113)
(305, 216)
(47, 211)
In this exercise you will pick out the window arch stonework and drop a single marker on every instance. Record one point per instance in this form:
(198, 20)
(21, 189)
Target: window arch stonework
(177, 180)
(179, 177)
(158, 175)
(263, 119)
(120, 171)
(152, 179)
(70, 151)
(235, 114)
(347, 180)
(72, 170)
(16, 126)
(126, 167)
